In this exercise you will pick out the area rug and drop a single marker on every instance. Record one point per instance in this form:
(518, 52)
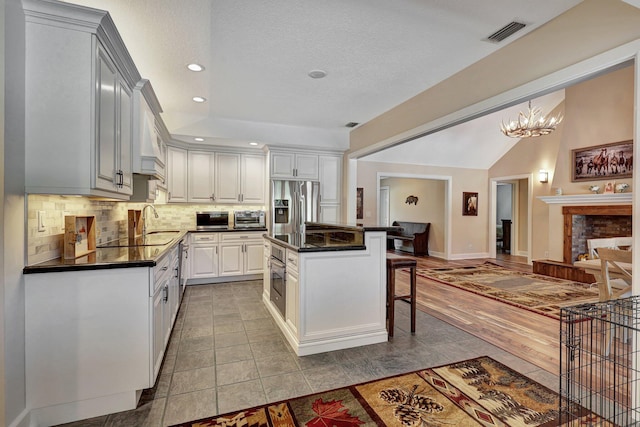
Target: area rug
(535, 292)
(474, 392)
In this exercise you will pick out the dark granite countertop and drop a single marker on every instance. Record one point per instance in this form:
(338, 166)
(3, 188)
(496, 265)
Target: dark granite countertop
(326, 237)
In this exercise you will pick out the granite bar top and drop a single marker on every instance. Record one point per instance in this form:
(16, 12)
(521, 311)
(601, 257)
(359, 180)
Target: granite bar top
(327, 237)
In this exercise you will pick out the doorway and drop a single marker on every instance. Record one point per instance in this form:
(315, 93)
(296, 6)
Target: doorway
(384, 207)
(511, 208)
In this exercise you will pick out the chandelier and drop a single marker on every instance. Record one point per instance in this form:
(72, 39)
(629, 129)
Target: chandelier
(531, 124)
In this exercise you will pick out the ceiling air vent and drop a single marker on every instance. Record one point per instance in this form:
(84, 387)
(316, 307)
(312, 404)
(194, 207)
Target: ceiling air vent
(506, 31)
(352, 124)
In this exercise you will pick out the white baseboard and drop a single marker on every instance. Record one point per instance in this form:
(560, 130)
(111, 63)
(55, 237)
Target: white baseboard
(23, 420)
(469, 256)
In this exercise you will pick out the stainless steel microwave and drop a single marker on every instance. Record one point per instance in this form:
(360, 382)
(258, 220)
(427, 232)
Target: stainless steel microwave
(212, 220)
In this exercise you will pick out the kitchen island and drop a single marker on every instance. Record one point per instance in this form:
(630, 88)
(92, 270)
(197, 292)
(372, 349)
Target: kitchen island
(334, 286)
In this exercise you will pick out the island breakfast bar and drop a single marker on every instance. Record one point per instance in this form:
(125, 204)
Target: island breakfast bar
(333, 278)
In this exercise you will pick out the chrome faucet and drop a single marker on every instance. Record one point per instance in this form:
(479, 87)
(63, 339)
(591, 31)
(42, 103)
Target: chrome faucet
(144, 219)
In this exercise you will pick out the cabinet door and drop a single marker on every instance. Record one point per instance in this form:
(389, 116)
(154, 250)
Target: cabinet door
(166, 311)
(231, 259)
(330, 179)
(253, 257)
(177, 174)
(306, 166)
(293, 303)
(125, 142)
(329, 213)
(162, 183)
(157, 333)
(228, 178)
(204, 261)
(282, 165)
(201, 168)
(252, 176)
(106, 84)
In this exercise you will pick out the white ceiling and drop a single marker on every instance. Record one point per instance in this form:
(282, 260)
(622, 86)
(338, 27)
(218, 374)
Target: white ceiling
(377, 54)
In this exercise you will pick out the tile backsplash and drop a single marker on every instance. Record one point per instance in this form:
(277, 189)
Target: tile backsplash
(111, 220)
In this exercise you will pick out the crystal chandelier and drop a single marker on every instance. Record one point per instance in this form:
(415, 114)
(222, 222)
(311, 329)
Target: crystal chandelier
(531, 124)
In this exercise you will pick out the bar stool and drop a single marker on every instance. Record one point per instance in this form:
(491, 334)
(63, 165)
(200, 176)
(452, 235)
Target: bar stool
(394, 262)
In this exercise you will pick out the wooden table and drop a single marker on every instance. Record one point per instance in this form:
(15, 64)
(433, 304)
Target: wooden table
(593, 266)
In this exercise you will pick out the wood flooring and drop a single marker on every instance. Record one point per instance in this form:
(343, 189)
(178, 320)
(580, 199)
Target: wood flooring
(530, 336)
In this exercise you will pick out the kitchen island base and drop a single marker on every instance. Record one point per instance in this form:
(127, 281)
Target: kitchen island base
(334, 299)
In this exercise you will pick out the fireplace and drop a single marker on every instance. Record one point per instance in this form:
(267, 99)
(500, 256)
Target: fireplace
(592, 222)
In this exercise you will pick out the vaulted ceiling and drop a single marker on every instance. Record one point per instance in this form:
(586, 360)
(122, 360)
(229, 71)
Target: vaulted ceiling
(257, 57)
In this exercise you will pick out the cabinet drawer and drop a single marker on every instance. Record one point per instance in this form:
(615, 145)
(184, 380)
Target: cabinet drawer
(292, 260)
(204, 238)
(160, 272)
(242, 237)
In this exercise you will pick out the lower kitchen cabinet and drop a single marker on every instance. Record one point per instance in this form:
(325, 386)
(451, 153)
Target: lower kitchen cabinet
(241, 253)
(204, 255)
(95, 338)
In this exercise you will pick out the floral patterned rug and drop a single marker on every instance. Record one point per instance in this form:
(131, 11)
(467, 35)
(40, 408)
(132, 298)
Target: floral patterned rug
(535, 292)
(476, 392)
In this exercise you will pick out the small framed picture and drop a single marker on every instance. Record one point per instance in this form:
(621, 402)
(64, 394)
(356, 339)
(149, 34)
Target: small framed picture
(469, 204)
(609, 187)
(359, 202)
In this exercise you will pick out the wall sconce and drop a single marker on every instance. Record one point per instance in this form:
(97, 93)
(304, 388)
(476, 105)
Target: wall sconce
(543, 176)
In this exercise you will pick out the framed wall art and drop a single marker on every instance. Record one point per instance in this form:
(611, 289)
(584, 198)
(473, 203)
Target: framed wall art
(359, 202)
(600, 162)
(469, 204)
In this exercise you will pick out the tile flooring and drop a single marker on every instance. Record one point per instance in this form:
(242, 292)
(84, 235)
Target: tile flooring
(226, 353)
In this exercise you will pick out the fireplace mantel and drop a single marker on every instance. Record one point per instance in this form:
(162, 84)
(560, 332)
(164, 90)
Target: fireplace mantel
(590, 199)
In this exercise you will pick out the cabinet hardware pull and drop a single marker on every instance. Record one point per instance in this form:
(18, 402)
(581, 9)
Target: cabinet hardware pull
(165, 290)
(176, 270)
(165, 268)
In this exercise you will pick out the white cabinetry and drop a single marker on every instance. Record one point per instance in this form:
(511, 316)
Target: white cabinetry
(287, 165)
(266, 274)
(78, 103)
(201, 166)
(330, 187)
(204, 255)
(252, 179)
(227, 178)
(105, 331)
(148, 158)
(177, 174)
(293, 291)
(241, 253)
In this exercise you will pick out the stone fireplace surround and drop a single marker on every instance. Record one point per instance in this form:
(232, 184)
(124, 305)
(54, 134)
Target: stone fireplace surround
(587, 222)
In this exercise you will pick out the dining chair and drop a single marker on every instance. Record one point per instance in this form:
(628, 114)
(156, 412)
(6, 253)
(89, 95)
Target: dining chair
(615, 284)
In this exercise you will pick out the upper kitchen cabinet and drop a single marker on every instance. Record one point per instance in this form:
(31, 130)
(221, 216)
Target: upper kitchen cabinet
(289, 165)
(201, 167)
(147, 143)
(78, 102)
(240, 178)
(177, 175)
(330, 178)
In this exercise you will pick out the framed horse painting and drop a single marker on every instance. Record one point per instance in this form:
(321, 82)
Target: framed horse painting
(606, 161)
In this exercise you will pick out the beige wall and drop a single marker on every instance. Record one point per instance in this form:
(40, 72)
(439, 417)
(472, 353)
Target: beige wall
(597, 111)
(468, 233)
(430, 206)
(592, 27)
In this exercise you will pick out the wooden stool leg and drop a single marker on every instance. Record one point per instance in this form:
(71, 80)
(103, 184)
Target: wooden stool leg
(391, 291)
(413, 299)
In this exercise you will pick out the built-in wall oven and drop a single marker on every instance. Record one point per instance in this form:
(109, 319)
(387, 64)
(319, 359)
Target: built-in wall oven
(278, 278)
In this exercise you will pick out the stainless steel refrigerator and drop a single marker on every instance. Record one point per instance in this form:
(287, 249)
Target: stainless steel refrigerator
(293, 204)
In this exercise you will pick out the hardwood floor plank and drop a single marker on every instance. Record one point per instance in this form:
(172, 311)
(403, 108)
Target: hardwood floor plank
(530, 336)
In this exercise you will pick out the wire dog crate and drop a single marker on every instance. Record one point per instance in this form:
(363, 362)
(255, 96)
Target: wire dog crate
(599, 363)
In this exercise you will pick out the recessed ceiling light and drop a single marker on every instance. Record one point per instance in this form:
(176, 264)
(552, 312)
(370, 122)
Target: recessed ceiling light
(317, 74)
(199, 99)
(195, 67)
(198, 139)
(253, 143)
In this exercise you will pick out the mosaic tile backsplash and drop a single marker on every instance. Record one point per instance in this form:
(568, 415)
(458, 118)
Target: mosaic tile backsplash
(111, 220)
